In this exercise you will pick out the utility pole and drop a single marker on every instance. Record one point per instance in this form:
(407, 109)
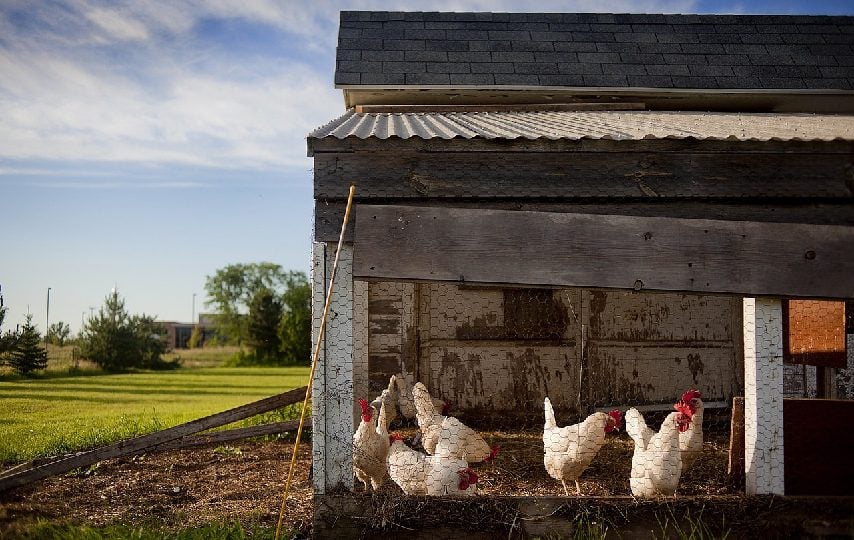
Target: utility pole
(193, 319)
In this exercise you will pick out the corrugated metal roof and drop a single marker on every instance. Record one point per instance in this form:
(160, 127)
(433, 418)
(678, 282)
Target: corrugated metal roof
(622, 125)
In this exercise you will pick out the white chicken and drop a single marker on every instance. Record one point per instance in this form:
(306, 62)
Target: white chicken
(370, 448)
(420, 474)
(405, 400)
(406, 467)
(448, 436)
(656, 462)
(386, 403)
(569, 450)
(691, 441)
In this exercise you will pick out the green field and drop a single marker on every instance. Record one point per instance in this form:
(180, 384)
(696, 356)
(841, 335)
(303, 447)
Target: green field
(57, 414)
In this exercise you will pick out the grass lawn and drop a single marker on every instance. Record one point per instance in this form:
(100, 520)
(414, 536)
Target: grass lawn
(57, 414)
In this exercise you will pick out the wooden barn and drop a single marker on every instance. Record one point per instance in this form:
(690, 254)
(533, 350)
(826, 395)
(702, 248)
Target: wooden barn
(605, 209)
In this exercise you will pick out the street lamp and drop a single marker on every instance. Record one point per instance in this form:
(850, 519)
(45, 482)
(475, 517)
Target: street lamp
(47, 318)
(193, 319)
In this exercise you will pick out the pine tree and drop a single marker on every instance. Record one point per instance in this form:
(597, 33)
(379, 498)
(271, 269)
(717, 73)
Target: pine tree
(28, 354)
(116, 341)
(265, 312)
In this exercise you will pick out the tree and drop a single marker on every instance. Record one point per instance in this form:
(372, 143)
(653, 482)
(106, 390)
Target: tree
(28, 354)
(295, 327)
(7, 339)
(265, 314)
(231, 289)
(117, 341)
(58, 333)
(197, 338)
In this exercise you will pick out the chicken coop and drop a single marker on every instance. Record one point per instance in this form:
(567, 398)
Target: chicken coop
(559, 217)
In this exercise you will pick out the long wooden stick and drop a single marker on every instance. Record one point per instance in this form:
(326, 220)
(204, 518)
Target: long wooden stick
(314, 360)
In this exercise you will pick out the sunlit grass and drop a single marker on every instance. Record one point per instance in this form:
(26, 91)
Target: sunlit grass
(59, 414)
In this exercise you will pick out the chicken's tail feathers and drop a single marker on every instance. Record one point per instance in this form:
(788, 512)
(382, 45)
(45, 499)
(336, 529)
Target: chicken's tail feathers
(635, 425)
(550, 414)
(423, 402)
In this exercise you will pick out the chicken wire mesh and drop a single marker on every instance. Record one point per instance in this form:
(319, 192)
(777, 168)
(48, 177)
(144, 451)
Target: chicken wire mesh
(534, 391)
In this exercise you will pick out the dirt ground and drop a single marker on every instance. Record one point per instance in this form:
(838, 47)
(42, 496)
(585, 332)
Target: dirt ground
(244, 480)
(174, 489)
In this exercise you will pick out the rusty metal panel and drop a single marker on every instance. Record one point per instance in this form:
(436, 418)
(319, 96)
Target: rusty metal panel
(633, 316)
(500, 348)
(450, 308)
(634, 373)
(505, 376)
(815, 333)
(503, 348)
(647, 347)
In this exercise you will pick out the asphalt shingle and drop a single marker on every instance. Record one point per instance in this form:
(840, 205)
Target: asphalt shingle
(596, 49)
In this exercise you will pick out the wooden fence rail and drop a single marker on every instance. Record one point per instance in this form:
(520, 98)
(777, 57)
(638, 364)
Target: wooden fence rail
(20, 476)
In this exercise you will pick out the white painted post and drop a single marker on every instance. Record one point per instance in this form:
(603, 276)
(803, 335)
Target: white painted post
(763, 396)
(332, 388)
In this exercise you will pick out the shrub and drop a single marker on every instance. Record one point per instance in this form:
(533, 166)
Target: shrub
(117, 341)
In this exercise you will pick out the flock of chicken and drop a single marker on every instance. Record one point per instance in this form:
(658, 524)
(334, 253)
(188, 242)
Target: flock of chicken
(451, 447)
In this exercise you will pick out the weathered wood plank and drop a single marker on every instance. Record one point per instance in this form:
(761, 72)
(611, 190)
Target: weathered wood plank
(623, 252)
(132, 446)
(328, 215)
(646, 175)
(235, 434)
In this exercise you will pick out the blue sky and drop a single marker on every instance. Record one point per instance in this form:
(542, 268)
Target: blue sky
(146, 144)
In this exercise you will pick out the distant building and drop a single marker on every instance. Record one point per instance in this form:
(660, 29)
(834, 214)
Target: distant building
(178, 333)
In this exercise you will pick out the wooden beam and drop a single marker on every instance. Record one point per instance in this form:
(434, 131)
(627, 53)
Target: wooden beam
(648, 175)
(235, 434)
(328, 214)
(623, 252)
(135, 445)
(529, 107)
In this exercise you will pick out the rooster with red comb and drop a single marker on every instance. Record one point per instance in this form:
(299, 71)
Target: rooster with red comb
(370, 447)
(691, 440)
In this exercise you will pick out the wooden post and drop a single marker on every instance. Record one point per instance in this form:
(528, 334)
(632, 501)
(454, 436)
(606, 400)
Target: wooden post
(736, 442)
(332, 388)
(763, 396)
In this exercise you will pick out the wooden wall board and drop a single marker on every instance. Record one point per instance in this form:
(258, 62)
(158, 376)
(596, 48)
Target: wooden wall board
(329, 214)
(622, 252)
(582, 175)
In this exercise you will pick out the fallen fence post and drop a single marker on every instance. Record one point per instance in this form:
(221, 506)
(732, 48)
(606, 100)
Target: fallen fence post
(137, 444)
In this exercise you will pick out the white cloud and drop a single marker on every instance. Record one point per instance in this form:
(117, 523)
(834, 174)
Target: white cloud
(130, 81)
(118, 25)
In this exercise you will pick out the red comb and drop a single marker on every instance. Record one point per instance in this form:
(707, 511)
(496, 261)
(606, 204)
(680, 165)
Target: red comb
(367, 414)
(691, 394)
(493, 453)
(617, 417)
(684, 408)
(467, 478)
(395, 437)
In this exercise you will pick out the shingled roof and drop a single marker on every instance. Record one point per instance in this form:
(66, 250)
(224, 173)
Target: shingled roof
(590, 50)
